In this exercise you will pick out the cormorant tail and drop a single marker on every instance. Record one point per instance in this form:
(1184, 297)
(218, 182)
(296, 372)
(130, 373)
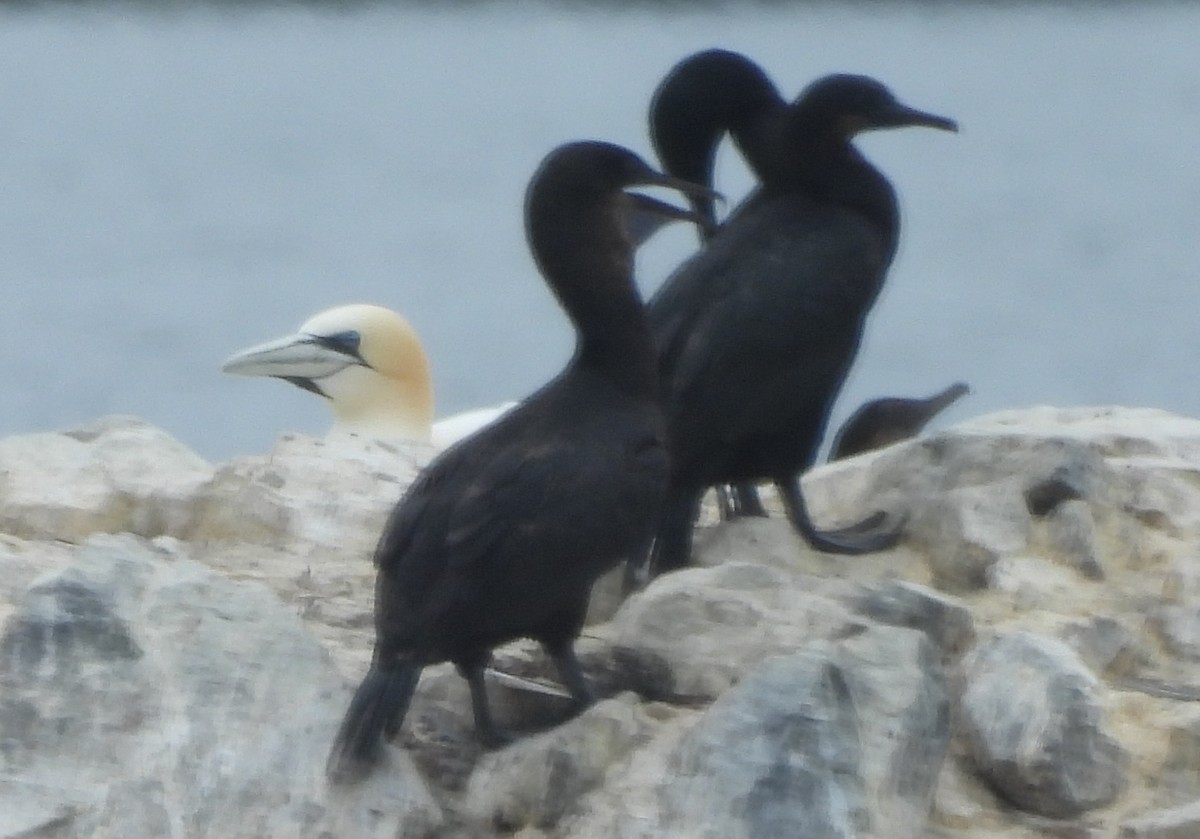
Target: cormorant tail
(375, 712)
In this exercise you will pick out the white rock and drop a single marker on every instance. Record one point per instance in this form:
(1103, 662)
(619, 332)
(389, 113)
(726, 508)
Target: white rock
(534, 782)
(1175, 823)
(989, 488)
(159, 699)
(702, 629)
(839, 740)
(165, 688)
(308, 493)
(1035, 729)
(117, 474)
(1032, 582)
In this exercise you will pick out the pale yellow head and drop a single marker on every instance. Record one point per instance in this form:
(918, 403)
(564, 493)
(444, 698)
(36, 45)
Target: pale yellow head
(366, 360)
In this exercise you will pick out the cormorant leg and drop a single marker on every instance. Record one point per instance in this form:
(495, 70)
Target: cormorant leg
(486, 730)
(861, 537)
(636, 565)
(727, 503)
(735, 501)
(747, 501)
(673, 541)
(563, 655)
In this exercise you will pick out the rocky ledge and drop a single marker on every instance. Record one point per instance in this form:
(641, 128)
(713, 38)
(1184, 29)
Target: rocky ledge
(179, 641)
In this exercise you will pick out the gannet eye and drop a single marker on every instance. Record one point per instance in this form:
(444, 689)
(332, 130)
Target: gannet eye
(345, 342)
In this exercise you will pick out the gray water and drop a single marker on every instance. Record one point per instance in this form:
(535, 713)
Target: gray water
(177, 186)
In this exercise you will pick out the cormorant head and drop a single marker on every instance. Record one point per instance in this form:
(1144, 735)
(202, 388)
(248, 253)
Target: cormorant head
(848, 104)
(588, 175)
(702, 97)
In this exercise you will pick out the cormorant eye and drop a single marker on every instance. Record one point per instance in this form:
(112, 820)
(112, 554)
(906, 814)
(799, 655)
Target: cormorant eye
(346, 342)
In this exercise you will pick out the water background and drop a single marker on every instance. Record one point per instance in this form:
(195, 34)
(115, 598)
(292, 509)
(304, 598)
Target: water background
(177, 185)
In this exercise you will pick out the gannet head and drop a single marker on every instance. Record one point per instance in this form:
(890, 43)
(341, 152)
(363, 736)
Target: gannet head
(365, 360)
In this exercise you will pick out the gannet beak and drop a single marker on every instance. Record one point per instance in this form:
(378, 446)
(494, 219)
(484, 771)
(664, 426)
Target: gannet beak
(300, 357)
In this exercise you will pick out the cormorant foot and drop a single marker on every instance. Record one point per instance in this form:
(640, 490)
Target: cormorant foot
(874, 533)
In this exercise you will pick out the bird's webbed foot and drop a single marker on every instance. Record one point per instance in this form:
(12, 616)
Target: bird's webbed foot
(876, 532)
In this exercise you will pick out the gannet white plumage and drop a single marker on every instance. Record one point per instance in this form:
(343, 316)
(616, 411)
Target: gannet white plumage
(368, 363)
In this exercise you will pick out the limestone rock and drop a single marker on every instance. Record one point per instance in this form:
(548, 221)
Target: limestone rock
(21, 562)
(1073, 535)
(776, 756)
(696, 632)
(899, 693)
(1032, 582)
(1175, 778)
(1181, 583)
(1175, 823)
(1105, 645)
(439, 728)
(961, 802)
(1179, 627)
(1114, 432)
(770, 541)
(1034, 729)
(969, 530)
(142, 695)
(946, 620)
(841, 740)
(147, 696)
(117, 474)
(1184, 755)
(1018, 482)
(313, 494)
(535, 781)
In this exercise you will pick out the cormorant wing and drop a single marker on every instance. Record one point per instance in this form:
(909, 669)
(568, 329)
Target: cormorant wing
(756, 331)
(494, 527)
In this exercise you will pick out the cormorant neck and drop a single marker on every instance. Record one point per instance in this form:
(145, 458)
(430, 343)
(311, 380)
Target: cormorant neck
(819, 159)
(754, 137)
(587, 258)
(622, 349)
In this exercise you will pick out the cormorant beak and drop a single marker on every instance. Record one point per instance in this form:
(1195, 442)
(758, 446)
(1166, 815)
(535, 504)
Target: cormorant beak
(300, 359)
(904, 115)
(645, 215)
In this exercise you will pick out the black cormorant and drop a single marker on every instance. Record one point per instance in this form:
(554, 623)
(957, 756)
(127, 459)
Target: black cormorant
(703, 97)
(503, 534)
(881, 422)
(757, 332)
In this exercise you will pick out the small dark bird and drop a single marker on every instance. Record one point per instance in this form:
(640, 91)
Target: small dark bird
(881, 422)
(503, 534)
(757, 332)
